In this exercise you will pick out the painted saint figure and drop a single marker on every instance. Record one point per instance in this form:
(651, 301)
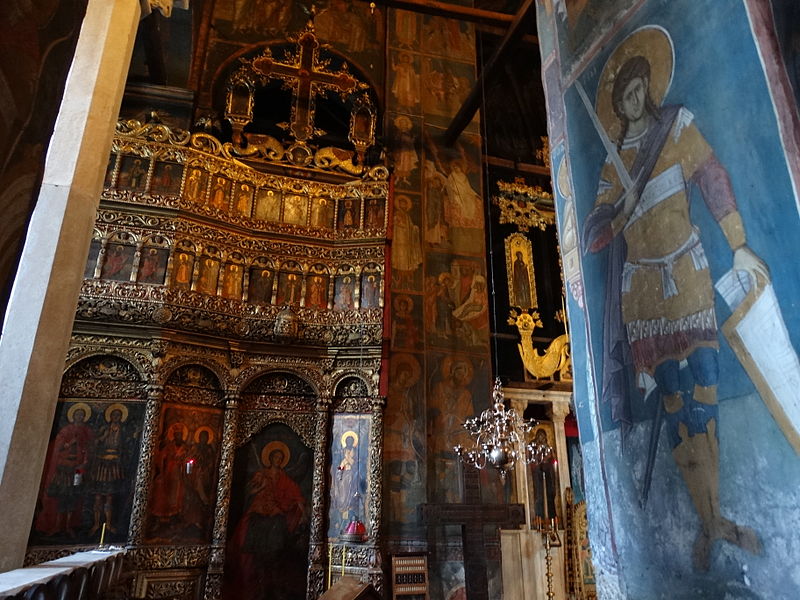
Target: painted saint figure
(522, 282)
(107, 473)
(660, 305)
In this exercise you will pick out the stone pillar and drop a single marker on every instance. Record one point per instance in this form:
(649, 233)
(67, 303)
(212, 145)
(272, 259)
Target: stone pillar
(45, 292)
(316, 538)
(559, 411)
(144, 480)
(225, 480)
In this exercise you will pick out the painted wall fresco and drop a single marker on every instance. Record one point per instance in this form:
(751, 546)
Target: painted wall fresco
(349, 470)
(270, 504)
(687, 408)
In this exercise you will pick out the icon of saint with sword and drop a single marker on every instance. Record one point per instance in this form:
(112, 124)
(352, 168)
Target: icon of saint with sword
(659, 312)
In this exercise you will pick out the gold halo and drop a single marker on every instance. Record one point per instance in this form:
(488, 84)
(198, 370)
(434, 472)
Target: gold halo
(87, 411)
(203, 428)
(177, 425)
(653, 43)
(349, 434)
(272, 446)
(116, 406)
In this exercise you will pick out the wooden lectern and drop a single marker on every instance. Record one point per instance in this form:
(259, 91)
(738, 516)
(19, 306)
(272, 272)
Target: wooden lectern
(350, 588)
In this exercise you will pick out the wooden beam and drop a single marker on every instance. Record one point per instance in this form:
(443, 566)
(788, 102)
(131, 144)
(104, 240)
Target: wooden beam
(522, 167)
(473, 101)
(450, 11)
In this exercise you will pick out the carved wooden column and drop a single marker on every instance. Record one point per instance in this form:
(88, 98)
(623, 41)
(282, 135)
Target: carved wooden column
(141, 499)
(374, 525)
(316, 541)
(217, 559)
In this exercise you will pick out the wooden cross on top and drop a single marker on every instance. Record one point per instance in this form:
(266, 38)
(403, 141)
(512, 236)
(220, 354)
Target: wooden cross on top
(307, 76)
(472, 515)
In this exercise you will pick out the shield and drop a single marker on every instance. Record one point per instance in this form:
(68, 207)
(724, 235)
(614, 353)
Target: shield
(758, 336)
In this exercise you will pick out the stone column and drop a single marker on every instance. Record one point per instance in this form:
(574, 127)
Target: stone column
(224, 481)
(560, 410)
(316, 538)
(45, 292)
(144, 480)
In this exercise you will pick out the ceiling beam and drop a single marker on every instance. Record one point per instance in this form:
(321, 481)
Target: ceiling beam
(473, 101)
(450, 11)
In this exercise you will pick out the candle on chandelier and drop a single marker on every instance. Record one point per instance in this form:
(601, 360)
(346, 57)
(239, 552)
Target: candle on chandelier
(189, 466)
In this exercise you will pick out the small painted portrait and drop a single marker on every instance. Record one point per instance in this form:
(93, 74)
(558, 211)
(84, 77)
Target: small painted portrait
(208, 276)
(195, 189)
(259, 290)
(183, 265)
(519, 262)
(289, 288)
(153, 265)
(348, 217)
(317, 291)
(268, 205)
(344, 291)
(166, 178)
(322, 213)
(220, 194)
(133, 173)
(371, 289)
(243, 200)
(232, 281)
(118, 262)
(295, 209)
(374, 213)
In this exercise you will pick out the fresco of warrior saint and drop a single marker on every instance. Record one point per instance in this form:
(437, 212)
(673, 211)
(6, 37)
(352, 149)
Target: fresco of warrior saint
(660, 306)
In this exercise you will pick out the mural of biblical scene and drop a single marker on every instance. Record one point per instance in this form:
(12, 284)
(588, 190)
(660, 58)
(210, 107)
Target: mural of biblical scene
(406, 144)
(91, 261)
(268, 205)
(268, 529)
(351, 27)
(406, 257)
(259, 290)
(371, 288)
(322, 213)
(405, 82)
(290, 284)
(456, 390)
(405, 30)
(689, 298)
(133, 173)
(196, 185)
(108, 180)
(89, 472)
(451, 38)
(349, 471)
(543, 489)
(295, 209)
(317, 288)
(185, 463)
(445, 86)
(519, 266)
(182, 267)
(242, 199)
(166, 178)
(349, 214)
(454, 208)
(404, 450)
(118, 262)
(374, 213)
(406, 322)
(232, 281)
(456, 302)
(344, 290)
(153, 265)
